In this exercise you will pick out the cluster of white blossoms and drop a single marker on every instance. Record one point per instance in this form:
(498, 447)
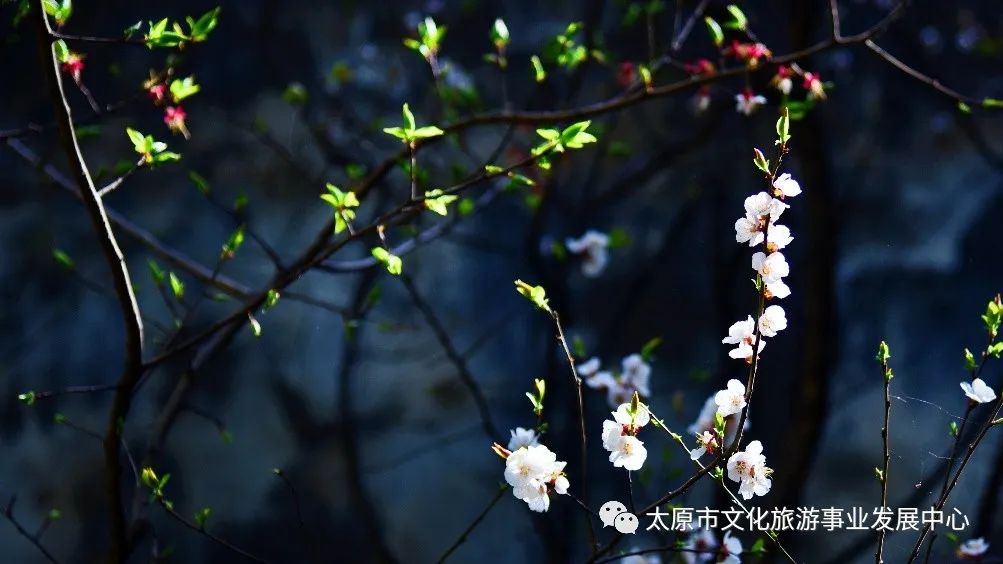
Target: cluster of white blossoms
(702, 546)
(635, 376)
(534, 472)
(978, 391)
(619, 436)
(748, 468)
(593, 249)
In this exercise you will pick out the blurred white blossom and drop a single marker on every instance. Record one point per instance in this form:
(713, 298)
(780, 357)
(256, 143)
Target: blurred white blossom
(978, 391)
(592, 247)
(522, 438)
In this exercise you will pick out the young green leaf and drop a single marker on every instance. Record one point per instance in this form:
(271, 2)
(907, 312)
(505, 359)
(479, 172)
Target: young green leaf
(182, 88)
(177, 286)
(438, 202)
(392, 262)
(535, 294)
(739, 20)
(63, 259)
(539, 72)
(714, 28)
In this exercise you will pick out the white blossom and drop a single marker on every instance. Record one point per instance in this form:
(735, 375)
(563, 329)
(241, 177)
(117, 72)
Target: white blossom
(748, 230)
(748, 468)
(731, 400)
(588, 368)
(533, 472)
(742, 333)
(772, 321)
(522, 438)
(777, 289)
(978, 391)
(636, 374)
(762, 204)
(592, 247)
(973, 548)
(772, 267)
(619, 437)
(779, 237)
(705, 422)
(784, 85)
(706, 442)
(731, 547)
(786, 187)
(703, 545)
(747, 102)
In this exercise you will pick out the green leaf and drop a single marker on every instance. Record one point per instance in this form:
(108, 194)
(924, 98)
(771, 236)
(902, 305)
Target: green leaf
(466, 207)
(28, 398)
(438, 202)
(271, 298)
(409, 123)
(132, 29)
(159, 36)
(499, 34)
(295, 94)
(716, 33)
(177, 286)
(539, 72)
(199, 181)
(138, 140)
(182, 88)
(54, 515)
(964, 108)
(784, 127)
(992, 103)
(200, 29)
(392, 262)
(426, 132)
(234, 243)
(201, 516)
(969, 360)
(255, 325)
(548, 134)
(59, 10)
(739, 21)
(759, 159)
(62, 51)
(995, 350)
(156, 272)
(758, 547)
(63, 259)
(647, 351)
(535, 294)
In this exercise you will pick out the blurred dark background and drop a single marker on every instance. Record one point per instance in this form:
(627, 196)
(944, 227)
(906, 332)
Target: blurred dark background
(896, 237)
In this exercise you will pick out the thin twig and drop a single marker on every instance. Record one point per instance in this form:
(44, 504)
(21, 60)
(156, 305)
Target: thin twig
(33, 539)
(463, 370)
(473, 525)
(201, 530)
(576, 381)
